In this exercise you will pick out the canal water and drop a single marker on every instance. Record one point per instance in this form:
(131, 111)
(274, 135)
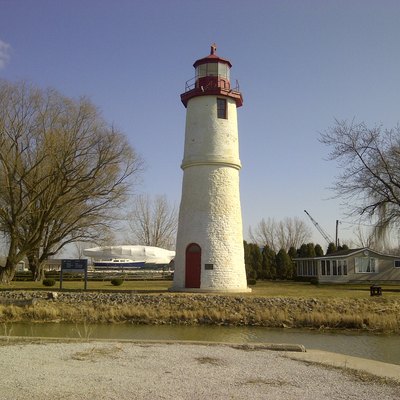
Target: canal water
(384, 348)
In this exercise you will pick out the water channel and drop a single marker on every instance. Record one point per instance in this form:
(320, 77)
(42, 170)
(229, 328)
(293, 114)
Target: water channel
(384, 348)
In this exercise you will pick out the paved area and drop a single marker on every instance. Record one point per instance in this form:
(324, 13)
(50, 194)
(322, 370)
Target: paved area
(377, 368)
(123, 370)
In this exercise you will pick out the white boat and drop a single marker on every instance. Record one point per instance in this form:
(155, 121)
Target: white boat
(117, 263)
(127, 256)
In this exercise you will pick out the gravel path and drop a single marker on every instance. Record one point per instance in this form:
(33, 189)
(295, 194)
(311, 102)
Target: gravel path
(114, 370)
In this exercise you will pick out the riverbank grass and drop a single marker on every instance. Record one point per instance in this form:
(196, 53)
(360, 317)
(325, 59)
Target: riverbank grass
(368, 314)
(270, 304)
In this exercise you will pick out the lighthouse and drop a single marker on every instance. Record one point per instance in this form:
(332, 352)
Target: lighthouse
(209, 249)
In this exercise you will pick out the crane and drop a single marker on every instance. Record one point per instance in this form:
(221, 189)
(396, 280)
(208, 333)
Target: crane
(321, 231)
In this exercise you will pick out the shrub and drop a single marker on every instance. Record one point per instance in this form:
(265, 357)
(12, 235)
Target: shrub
(251, 282)
(23, 276)
(49, 282)
(117, 281)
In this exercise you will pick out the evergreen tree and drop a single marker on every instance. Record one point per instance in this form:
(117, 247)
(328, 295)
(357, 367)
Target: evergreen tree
(293, 252)
(307, 250)
(331, 248)
(284, 265)
(303, 251)
(319, 252)
(256, 258)
(249, 270)
(253, 260)
(268, 263)
(311, 250)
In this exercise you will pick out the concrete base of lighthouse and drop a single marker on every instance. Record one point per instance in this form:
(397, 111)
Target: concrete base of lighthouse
(193, 290)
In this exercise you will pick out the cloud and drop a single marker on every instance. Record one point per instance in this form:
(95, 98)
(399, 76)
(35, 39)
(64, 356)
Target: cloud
(4, 53)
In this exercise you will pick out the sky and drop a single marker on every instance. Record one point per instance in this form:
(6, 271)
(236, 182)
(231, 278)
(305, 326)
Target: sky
(300, 65)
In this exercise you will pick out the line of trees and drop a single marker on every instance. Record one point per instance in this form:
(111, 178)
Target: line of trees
(265, 263)
(284, 234)
(64, 173)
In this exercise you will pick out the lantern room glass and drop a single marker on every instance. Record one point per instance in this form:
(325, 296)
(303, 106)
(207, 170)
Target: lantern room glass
(213, 69)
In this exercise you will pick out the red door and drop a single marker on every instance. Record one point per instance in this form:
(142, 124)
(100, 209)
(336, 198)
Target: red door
(193, 266)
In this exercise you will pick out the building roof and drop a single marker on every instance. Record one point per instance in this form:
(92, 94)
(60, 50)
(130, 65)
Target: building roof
(346, 253)
(212, 58)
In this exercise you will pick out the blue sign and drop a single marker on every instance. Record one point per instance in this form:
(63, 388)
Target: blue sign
(74, 265)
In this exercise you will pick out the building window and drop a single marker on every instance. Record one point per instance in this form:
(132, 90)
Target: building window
(221, 108)
(365, 265)
(334, 267)
(213, 69)
(397, 263)
(309, 268)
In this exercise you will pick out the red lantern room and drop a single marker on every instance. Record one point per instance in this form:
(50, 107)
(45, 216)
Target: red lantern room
(212, 78)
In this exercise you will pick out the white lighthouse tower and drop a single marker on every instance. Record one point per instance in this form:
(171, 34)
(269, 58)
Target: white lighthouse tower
(209, 250)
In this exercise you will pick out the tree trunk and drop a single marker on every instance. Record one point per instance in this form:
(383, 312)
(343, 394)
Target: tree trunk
(7, 272)
(39, 273)
(36, 267)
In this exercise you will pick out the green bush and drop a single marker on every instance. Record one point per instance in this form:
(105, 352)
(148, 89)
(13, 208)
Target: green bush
(251, 282)
(49, 282)
(314, 281)
(117, 281)
(23, 276)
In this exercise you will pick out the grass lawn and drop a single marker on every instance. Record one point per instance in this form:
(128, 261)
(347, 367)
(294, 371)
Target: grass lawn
(305, 289)
(262, 288)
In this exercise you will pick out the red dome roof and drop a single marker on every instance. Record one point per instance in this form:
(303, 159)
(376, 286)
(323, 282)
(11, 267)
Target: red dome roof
(212, 58)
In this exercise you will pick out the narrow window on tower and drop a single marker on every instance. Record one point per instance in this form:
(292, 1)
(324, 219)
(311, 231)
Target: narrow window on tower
(221, 108)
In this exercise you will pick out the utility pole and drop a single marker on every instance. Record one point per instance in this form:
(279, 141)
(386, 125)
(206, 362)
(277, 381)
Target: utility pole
(337, 234)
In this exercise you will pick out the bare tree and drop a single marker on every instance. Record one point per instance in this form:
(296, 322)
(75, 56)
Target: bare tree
(369, 183)
(264, 233)
(364, 237)
(290, 232)
(153, 222)
(63, 173)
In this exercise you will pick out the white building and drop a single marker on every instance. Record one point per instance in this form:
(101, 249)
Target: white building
(352, 265)
(209, 250)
